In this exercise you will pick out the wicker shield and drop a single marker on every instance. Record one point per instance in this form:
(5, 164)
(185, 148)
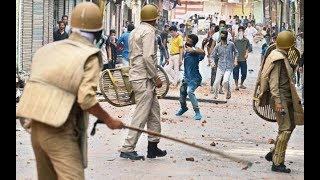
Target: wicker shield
(265, 111)
(117, 90)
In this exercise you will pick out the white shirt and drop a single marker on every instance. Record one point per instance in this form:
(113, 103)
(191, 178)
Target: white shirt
(249, 33)
(235, 29)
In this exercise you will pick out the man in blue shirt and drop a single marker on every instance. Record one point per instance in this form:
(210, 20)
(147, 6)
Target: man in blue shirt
(192, 77)
(227, 54)
(265, 46)
(124, 38)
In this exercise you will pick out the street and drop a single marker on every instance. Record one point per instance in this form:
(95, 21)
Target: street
(233, 127)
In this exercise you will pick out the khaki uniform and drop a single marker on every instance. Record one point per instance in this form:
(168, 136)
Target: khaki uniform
(277, 87)
(143, 61)
(62, 85)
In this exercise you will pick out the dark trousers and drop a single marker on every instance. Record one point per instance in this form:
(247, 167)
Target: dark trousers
(242, 65)
(213, 74)
(162, 56)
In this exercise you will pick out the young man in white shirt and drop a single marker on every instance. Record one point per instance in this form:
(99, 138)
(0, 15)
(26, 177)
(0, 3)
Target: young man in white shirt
(249, 33)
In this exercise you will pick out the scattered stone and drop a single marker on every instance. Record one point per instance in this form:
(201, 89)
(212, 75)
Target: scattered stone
(245, 167)
(119, 116)
(247, 132)
(171, 156)
(213, 144)
(163, 119)
(112, 159)
(164, 113)
(204, 121)
(202, 135)
(257, 144)
(241, 122)
(174, 161)
(257, 162)
(190, 159)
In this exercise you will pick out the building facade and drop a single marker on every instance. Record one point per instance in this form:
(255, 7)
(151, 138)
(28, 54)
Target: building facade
(36, 19)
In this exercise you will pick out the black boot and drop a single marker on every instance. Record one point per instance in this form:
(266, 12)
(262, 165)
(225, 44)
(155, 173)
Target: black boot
(131, 155)
(280, 168)
(268, 157)
(154, 151)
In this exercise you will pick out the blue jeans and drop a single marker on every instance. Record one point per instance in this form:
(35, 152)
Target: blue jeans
(243, 66)
(188, 89)
(162, 56)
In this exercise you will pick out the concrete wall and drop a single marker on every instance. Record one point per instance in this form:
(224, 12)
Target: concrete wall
(258, 12)
(212, 6)
(236, 8)
(34, 26)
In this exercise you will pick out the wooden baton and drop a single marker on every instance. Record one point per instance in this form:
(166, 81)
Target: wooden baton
(224, 155)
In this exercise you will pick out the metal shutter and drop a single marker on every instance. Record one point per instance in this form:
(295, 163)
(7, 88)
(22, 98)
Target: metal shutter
(26, 34)
(18, 35)
(38, 25)
(51, 22)
(45, 22)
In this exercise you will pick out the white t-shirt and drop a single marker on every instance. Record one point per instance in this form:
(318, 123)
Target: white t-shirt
(249, 33)
(235, 29)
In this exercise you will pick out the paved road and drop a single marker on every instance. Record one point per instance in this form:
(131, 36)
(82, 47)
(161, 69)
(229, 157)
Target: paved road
(233, 126)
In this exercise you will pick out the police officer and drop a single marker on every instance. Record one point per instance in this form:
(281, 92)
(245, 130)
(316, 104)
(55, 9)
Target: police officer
(59, 95)
(277, 89)
(144, 79)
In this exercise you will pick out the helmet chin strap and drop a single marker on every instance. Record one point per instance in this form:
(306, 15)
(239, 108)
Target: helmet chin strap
(87, 35)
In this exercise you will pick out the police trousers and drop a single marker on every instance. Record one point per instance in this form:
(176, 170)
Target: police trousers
(57, 151)
(147, 112)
